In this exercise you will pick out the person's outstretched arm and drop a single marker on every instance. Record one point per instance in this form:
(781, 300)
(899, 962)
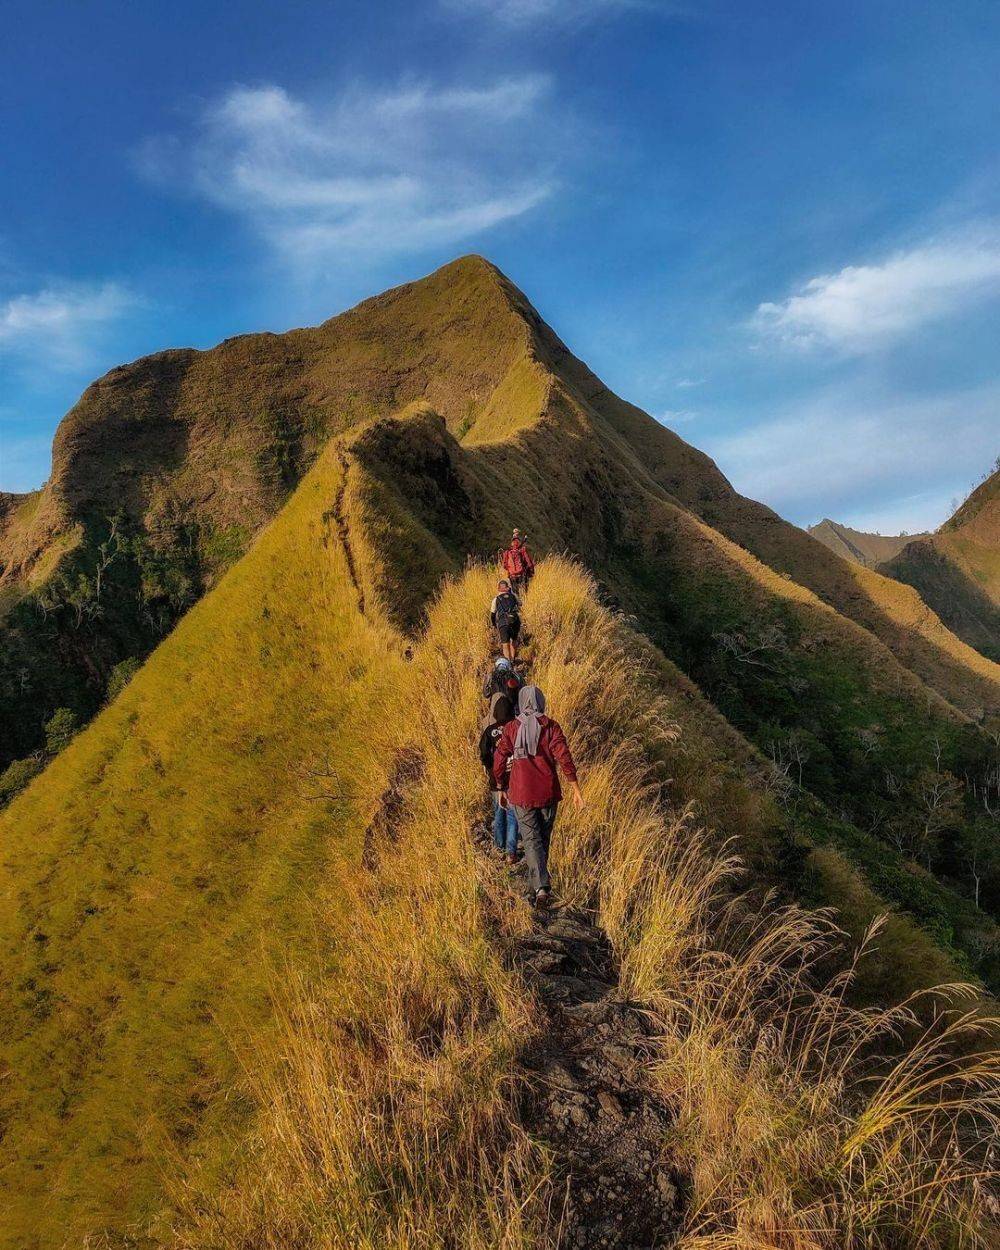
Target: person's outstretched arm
(564, 758)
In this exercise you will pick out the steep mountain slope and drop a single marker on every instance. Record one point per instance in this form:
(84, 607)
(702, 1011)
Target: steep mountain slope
(871, 550)
(165, 469)
(957, 570)
(467, 414)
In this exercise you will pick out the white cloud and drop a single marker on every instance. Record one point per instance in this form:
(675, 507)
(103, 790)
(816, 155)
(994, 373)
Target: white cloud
(372, 171)
(676, 416)
(850, 455)
(863, 308)
(525, 12)
(63, 322)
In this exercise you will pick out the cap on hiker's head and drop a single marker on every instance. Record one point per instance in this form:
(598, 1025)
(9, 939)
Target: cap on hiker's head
(503, 582)
(501, 662)
(517, 533)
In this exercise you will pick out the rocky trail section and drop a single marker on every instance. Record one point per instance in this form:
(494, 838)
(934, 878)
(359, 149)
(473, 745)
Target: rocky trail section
(588, 1096)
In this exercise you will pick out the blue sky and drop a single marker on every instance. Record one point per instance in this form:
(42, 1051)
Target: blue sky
(775, 226)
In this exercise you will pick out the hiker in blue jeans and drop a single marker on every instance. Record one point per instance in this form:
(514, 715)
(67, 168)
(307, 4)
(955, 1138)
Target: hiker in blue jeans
(505, 829)
(531, 753)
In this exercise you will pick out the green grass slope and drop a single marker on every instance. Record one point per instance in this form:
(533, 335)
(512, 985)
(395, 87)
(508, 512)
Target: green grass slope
(255, 990)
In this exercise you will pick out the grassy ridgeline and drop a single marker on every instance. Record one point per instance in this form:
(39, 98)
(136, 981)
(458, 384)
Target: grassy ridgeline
(169, 855)
(241, 1014)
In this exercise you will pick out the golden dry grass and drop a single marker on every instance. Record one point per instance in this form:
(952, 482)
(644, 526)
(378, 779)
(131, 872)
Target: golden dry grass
(388, 1115)
(807, 1124)
(271, 1007)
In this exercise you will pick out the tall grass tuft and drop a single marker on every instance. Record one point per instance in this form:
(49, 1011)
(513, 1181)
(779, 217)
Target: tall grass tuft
(805, 1123)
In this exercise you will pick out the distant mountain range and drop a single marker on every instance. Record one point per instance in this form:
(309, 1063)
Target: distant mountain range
(956, 570)
(871, 550)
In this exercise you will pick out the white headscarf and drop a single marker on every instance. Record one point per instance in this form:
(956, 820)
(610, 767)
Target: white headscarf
(530, 705)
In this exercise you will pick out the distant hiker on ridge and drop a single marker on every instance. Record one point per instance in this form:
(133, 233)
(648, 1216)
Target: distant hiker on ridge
(502, 679)
(504, 819)
(517, 562)
(530, 753)
(505, 617)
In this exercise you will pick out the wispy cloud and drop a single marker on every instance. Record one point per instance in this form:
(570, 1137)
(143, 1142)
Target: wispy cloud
(62, 322)
(370, 171)
(864, 308)
(576, 12)
(849, 454)
(676, 416)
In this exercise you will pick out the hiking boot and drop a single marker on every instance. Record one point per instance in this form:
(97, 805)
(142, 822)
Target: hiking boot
(542, 897)
(512, 859)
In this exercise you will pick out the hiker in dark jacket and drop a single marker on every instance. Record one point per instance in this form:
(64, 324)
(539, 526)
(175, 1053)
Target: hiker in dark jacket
(530, 754)
(505, 616)
(504, 819)
(517, 562)
(502, 679)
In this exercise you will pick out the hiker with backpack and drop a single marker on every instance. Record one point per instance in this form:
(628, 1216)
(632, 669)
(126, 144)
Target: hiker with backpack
(505, 617)
(502, 679)
(517, 562)
(530, 753)
(504, 820)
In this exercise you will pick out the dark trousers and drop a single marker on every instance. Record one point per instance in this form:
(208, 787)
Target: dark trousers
(535, 825)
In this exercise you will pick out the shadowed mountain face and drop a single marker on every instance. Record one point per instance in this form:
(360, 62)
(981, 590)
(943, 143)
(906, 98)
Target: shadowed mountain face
(871, 550)
(957, 570)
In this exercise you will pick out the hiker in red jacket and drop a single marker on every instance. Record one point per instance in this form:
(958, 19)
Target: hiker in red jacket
(517, 562)
(529, 756)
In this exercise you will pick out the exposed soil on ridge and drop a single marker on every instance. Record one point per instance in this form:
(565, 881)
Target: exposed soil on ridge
(587, 1096)
(338, 516)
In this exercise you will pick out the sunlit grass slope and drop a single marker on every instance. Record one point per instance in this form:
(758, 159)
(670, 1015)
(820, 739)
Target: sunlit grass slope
(255, 985)
(957, 569)
(806, 1124)
(162, 863)
(388, 1090)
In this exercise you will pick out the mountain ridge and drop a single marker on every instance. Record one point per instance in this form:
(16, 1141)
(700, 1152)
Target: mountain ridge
(870, 550)
(956, 570)
(215, 963)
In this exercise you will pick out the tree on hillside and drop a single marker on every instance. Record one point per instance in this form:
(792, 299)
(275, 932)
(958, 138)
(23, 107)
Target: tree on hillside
(979, 850)
(925, 807)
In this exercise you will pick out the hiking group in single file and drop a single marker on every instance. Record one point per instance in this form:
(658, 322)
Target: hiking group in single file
(522, 749)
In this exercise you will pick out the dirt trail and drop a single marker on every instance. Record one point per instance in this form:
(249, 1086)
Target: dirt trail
(338, 516)
(587, 1095)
